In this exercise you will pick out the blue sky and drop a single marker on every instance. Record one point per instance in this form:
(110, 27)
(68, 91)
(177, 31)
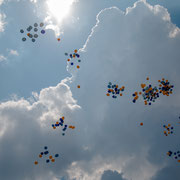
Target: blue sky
(119, 41)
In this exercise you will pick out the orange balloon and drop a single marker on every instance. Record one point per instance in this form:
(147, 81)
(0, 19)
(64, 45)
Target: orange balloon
(63, 117)
(68, 60)
(78, 66)
(35, 162)
(78, 86)
(50, 157)
(141, 124)
(58, 39)
(75, 50)
(147, 78)
(40, 156)
(107, 94)
(53, 160)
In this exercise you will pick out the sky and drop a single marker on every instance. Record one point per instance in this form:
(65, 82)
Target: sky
(119, 41)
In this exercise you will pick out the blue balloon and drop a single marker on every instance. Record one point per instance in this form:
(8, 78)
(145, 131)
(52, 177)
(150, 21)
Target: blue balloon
(42, 31)
(56, 155)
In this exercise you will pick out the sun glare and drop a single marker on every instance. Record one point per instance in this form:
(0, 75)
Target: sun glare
(59, 8)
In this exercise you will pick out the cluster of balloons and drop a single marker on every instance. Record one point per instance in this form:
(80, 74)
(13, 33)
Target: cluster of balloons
(114, 89)
(164, 87)
(33, 35)
(45, 153)
(61, 123)
(150, 94)
(169, 129)
(74, 58)
(176, 155)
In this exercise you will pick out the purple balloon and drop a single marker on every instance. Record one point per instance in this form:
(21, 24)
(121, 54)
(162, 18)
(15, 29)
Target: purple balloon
(43, 31)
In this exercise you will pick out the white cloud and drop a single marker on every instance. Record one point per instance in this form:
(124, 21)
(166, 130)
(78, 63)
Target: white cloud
(2, 22)
(33, 1)
(1, 1)
(125, 48)
(13, 52)
(2, 58)
(57, 12)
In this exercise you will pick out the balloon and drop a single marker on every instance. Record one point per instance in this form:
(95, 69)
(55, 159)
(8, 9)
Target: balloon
(23, 39)
(41, 24)
(43, 31)
(35, 29)
(35, 25)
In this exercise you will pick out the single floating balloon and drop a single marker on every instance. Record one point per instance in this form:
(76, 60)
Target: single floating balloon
(21, 31)
(41, 24)
(42, 31)
(78, 86)
(58, 39)
(23, 39)
(35, 36)
(35, 24)
(35, 29)
(141, 124)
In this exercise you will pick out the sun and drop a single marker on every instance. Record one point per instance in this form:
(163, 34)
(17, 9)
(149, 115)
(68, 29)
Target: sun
(59, 8)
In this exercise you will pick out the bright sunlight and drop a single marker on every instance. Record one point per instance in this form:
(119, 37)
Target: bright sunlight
(59, 8)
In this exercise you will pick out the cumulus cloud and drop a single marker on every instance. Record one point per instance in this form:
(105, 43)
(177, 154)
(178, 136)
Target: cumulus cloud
(25, 124)
(124, 48)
